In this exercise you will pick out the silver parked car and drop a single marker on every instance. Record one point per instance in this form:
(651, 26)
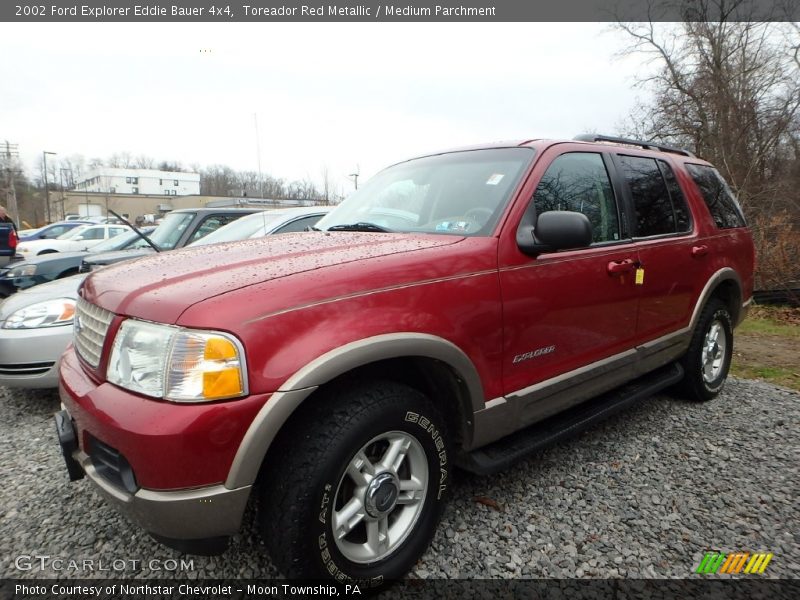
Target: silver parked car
(35, 328)
(36, 324)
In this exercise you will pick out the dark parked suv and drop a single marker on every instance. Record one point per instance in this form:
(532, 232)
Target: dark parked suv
(179, 228)
(463, 308)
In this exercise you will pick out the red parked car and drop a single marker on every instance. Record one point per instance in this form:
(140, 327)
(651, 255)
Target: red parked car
(464, 308)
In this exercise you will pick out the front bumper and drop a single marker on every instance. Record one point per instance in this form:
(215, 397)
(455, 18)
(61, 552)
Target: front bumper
(11, 285)
(201, 513)
(178, 455)
(29, 357)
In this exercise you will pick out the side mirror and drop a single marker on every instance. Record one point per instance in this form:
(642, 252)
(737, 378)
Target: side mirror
(555, 230)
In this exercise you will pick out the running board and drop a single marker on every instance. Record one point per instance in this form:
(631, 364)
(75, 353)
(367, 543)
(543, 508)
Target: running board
(502, 453)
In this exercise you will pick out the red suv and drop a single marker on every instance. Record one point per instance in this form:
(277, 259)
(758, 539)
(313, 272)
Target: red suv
(463, 308)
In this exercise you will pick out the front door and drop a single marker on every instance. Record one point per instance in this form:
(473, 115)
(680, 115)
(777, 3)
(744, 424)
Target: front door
(570, 311)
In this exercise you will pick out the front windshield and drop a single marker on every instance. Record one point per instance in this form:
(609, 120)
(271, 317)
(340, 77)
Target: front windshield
(254, 225)
(462, 193)
(74, 232)
(172, 227)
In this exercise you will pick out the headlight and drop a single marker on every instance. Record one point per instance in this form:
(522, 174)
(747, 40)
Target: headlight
(21, 271)
(49, 313)
(181, 365)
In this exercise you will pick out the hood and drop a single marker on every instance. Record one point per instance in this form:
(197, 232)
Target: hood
(161, 287)
(60, 288)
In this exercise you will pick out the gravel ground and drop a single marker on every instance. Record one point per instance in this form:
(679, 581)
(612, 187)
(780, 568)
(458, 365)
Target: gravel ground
(642, 495)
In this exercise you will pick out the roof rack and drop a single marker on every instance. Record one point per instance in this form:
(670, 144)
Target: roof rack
(591, 137)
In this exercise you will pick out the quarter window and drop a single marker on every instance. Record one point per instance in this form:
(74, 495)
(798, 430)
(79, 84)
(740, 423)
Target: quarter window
(93, 234)
(718, 197)
(579, 182)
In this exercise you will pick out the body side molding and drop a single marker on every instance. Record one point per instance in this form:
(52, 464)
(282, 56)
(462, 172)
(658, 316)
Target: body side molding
(521, 408)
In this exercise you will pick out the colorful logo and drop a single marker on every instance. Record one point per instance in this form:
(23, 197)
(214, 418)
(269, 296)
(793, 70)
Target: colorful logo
(735, 563)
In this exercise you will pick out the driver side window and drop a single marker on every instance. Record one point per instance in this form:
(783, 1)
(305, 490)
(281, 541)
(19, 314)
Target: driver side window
(579, 182)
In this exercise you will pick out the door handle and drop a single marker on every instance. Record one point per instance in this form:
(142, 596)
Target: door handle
(699, 251)
(616, 267)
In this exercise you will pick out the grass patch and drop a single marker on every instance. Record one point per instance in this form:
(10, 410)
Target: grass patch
(767, 346)
(776, 375)
(767, 325)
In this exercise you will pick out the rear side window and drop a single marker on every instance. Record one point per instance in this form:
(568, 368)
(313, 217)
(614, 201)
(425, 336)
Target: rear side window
(93, 233)
(718, 197)
(212, 224)
(299, 224)
(578, 181)
(657, 197)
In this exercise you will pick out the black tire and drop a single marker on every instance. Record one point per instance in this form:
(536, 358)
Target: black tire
(307, 481)
(698, 383)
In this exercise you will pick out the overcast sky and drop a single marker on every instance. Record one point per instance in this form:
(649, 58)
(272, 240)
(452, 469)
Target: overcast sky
(335, 95)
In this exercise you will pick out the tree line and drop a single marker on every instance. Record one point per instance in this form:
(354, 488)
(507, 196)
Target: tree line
(63, 172)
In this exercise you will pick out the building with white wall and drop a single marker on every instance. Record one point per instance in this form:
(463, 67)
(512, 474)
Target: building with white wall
(110, 180)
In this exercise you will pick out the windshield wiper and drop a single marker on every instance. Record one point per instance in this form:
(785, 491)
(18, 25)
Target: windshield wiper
(150, 243)
(360, 226)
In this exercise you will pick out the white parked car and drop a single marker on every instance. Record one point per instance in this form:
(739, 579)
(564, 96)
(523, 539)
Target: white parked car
(76, 240)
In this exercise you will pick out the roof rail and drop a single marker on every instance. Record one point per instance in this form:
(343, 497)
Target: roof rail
(592, 137)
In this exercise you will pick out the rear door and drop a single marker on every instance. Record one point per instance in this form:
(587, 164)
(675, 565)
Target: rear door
(671, 260)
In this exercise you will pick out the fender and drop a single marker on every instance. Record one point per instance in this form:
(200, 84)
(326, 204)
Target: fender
(277, 410)
(724, 274)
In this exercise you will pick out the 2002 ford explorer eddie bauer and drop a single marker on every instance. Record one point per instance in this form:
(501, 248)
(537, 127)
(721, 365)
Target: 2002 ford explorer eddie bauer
(463, 308)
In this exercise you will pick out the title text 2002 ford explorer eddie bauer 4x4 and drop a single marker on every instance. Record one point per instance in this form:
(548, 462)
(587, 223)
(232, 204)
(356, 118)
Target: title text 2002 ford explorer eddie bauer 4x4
(462, 308)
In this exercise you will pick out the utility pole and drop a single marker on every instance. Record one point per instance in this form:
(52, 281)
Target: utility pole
(355, 176)
(46, 188)
(11, 153)
(258, 156)
(61, 179)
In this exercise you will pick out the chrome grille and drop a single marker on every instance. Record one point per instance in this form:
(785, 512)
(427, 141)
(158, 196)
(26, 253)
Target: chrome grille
(91, 325)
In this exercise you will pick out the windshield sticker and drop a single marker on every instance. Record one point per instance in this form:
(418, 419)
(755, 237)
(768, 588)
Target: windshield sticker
(452, 226)
(494, 179)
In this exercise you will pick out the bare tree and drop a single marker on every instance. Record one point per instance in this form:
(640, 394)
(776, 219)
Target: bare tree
(170, 165)
(272, 187)
(303, 190)
(728, 88)
(144, 162)
(75, 166)
(120, 160)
